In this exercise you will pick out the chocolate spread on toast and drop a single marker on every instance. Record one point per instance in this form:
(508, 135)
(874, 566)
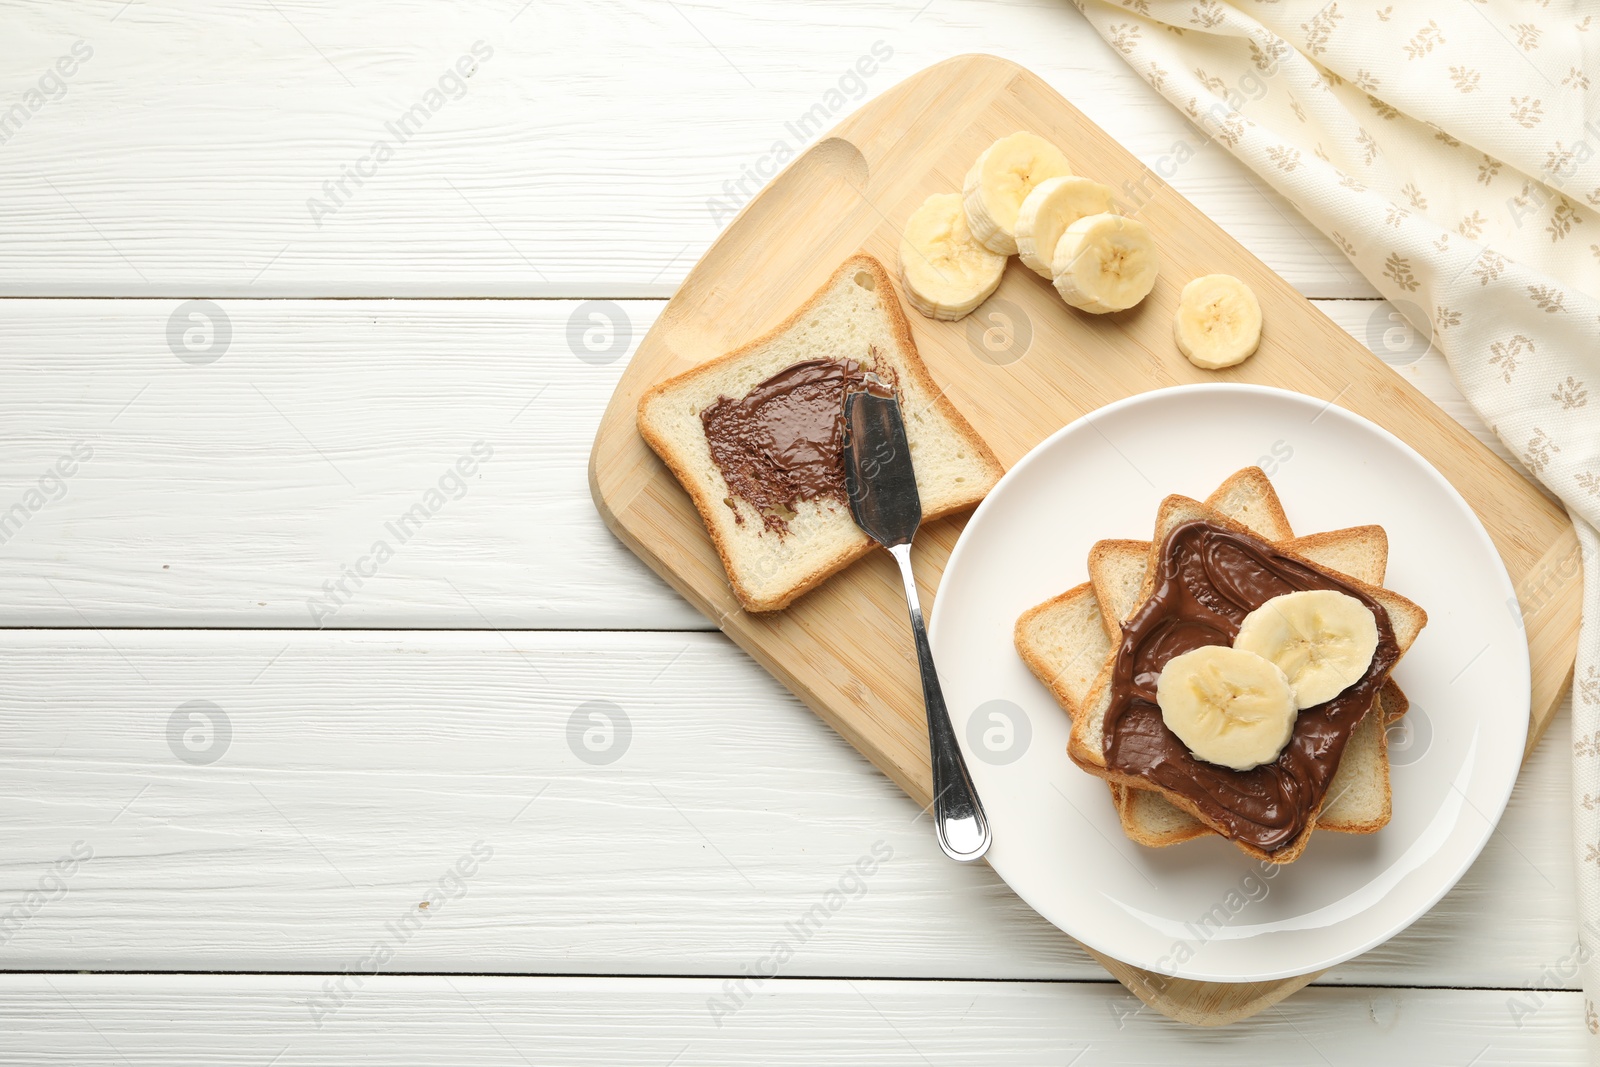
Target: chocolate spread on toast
(783, 441)
(1208, 578)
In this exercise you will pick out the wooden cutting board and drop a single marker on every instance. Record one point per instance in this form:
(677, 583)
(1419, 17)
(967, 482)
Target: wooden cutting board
(844, 649)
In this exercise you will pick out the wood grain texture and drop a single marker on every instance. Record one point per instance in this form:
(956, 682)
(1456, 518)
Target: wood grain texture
(228, 493)
(359, 767)
(204, 506)
(597, 152)
(181, 1020)
(844, 196)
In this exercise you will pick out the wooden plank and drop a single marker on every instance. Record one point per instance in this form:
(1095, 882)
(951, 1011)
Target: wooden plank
(200, 442)
(123, 1020)
(602, 166)
(359, 767)
(227, 493)
(846, 195)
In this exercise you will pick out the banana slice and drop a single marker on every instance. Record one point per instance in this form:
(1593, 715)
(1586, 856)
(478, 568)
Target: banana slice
(1218, 322)
(1228, 706)
(946, 273)
(1322, 640)
(1105, 263)
(1001, 180)
(1055, 204)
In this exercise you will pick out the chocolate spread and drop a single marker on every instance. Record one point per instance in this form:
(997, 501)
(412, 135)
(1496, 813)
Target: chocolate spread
(783, 442)
(1209, 579)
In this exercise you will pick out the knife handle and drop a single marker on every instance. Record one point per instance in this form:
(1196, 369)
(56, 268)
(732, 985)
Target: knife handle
(958, 817)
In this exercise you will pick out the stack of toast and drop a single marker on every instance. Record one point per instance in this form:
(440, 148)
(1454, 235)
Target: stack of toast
(1071, 643)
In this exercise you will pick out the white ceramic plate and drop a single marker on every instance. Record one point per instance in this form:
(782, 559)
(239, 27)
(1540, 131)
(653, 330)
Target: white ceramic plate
(1203, 909)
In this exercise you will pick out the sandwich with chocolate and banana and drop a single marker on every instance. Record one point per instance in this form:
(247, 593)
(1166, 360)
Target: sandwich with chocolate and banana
(756, 436)
(1228, 678)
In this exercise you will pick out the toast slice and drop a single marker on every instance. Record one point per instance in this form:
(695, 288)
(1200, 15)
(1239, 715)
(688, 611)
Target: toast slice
(1358, 798)
(1066, 653)
(1086, 745)
(1065, 643)
(855, 315)
(1059, 643)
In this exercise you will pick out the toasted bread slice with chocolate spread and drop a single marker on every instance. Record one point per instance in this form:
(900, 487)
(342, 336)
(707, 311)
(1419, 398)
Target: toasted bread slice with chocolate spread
(1062, 645)
(1358, 799)
(1087, 744)
(772, 559)
(1065, 643)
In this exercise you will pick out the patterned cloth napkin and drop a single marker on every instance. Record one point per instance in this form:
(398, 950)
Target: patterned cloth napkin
(1449, 148)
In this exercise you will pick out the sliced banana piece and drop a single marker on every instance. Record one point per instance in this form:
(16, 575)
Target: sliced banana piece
(1001, 180)
(946, 273)
(1055, 204)
(1218, 322)
(1229, 706)
(1323, 641)
(1105, 263)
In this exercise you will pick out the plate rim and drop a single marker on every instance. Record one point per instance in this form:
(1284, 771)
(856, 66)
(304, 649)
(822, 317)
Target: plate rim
(1501, 575)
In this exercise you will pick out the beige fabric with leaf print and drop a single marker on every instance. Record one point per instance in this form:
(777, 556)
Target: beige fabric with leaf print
(1451, 150)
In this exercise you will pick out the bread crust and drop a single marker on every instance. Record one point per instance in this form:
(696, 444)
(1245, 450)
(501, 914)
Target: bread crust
(827, 567)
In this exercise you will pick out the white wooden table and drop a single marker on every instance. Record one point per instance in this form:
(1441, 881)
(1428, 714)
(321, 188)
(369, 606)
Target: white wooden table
(224, 807)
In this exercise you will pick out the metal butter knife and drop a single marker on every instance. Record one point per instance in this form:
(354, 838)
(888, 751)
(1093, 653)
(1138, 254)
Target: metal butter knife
(883, 499)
